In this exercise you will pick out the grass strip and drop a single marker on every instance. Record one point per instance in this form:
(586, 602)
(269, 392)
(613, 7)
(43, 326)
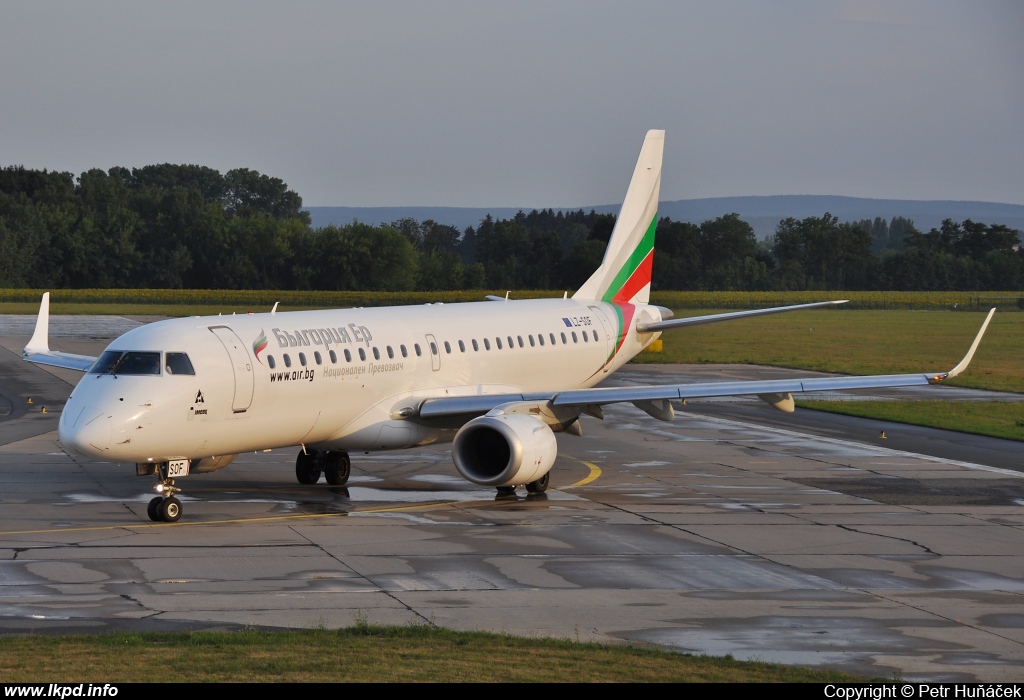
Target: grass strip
(365, 653)
(1000, 419)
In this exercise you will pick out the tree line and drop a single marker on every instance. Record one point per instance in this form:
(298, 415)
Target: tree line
(189, 226)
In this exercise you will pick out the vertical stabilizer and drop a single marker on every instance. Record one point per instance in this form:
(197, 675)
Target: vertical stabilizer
(625, 273)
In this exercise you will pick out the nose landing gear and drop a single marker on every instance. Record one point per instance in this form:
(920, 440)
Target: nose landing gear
(165, 507)
(310, 464)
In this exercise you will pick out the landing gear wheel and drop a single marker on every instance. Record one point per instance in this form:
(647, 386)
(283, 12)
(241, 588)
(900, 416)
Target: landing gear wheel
(170, 510)
(337, 467)
(506, 490)
(153, 509)
(307, 471)
(540, 485)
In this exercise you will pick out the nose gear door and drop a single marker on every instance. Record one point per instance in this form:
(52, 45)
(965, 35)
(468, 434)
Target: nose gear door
(241, 365)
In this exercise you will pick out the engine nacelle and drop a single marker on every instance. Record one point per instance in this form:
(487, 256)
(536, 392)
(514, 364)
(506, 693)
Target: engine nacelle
(210, 464)
(504, 450)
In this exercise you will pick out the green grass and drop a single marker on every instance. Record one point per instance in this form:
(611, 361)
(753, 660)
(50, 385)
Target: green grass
(993, 418)
(859, 342)
(365, 653)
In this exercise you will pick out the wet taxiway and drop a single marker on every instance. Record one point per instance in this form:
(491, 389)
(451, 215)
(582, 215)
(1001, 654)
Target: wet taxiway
(747, 533)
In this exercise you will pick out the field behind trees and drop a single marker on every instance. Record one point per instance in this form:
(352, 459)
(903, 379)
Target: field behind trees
(191, 227)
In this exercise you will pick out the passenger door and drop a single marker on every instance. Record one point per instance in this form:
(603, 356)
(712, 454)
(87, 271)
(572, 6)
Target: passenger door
(245, 380)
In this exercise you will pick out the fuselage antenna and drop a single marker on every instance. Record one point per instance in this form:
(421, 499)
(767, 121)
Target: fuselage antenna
(274, 310)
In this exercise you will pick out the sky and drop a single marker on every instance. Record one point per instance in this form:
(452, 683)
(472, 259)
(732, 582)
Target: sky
(527, 104)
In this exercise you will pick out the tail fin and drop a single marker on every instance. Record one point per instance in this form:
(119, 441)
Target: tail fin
(625, 272)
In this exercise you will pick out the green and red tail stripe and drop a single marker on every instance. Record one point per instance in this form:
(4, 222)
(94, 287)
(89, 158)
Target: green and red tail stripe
(634, 275)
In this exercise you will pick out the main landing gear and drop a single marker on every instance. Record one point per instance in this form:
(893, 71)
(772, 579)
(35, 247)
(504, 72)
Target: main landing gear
(538, 486)
(336, 466)
(165, 507)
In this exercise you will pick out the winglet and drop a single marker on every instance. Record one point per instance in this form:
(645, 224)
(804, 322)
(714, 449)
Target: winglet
(970, 353)
(40, 341)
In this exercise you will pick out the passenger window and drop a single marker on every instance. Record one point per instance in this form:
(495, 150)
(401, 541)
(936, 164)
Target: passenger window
(178, 363)
(476, 348)
(391, 353)
(362, 355)
(585, 338)
(334, 357)
(510, 343)
(316, 356)
(447, 347)
(376, 353)
(416, 347)
(433, 348)
(302, 359)
(405, 353)
(540, 339)
(574, 338)
(462, 346)
(348, 356)
(564, 341)
(520, 339)
(487, 344)
(498, 341)
(287, 360)
(531, 341)
(596, 337)
(552, 336)
(270, 361)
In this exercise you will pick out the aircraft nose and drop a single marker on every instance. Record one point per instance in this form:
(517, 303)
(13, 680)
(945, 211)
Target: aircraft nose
(89, 434)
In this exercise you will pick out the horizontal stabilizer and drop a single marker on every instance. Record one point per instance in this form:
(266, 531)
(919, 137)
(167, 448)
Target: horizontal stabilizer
(732, 316)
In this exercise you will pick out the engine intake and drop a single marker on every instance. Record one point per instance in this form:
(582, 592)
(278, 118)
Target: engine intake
(504, 450)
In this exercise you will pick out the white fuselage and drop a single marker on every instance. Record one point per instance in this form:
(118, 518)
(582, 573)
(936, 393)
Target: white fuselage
(236, 401)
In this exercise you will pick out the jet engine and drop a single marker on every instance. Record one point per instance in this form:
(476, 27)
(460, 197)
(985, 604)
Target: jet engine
(210, 464)
(504, 450)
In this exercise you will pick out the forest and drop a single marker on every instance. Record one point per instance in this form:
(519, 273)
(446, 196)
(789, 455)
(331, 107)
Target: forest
(190, 227)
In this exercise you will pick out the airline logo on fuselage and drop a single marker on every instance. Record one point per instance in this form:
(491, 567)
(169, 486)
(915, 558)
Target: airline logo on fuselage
(323, 336)
(259, 345)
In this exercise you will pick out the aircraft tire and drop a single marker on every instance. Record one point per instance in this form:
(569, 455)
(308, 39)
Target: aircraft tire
(307, 471)
(540, 485)
(337, 468)
(153, 509)
(170, 510)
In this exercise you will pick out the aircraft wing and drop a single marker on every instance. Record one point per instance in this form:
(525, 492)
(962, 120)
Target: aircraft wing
(776, 392)
(38, 348)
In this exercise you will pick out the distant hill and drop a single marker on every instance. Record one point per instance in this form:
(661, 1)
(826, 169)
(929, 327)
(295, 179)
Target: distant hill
(762, 213)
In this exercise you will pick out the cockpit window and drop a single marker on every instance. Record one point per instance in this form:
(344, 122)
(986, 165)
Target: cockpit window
(117, 362)
(178, 363)
(107, 360)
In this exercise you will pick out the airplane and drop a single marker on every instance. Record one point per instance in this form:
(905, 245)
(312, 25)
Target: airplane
(497, 378)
